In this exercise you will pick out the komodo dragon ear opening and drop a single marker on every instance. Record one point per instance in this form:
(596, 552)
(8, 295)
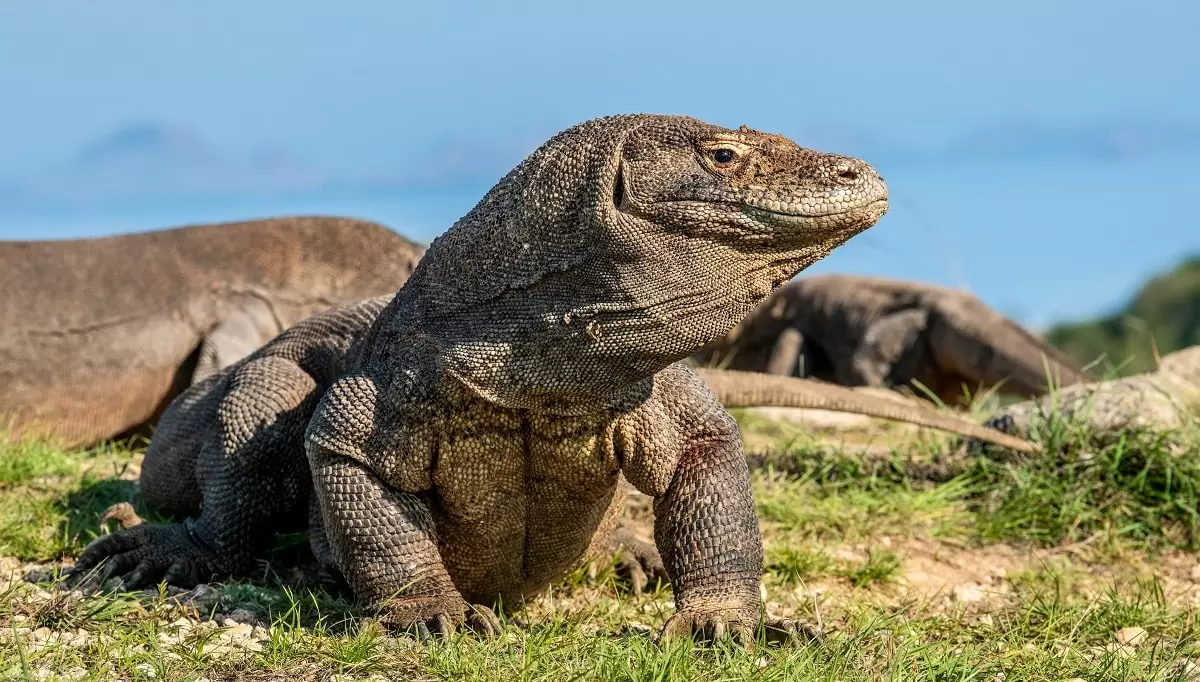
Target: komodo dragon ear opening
(618, 190)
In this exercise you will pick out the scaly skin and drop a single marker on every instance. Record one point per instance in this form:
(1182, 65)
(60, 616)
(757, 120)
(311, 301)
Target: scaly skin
(199, 441)
(97, 336)
(867, 331)
(228, 458)
(474, 448)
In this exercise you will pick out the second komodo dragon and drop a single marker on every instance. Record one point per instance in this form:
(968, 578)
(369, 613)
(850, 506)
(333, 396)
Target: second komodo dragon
(97, 336)
(868, 331)
(471, 451)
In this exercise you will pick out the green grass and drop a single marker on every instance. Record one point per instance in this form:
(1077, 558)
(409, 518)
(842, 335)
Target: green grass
(1139, 487)
(1047, 631)
(50, 500)
(835, 528)
(792, 565)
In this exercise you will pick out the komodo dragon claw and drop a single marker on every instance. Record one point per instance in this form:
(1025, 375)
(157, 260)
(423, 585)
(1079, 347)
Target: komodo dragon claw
(718, 624)
(637, 563)
(123, 514)
(427, 617)
(146, 554)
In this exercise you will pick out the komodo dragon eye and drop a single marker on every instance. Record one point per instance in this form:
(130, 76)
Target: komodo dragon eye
(723, 157)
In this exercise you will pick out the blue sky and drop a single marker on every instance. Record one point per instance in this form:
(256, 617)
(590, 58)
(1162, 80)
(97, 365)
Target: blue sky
(367, 87)
(356, 85)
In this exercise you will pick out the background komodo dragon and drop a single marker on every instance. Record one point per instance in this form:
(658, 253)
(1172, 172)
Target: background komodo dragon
(867, 331)
(472, 452)
(98, 335)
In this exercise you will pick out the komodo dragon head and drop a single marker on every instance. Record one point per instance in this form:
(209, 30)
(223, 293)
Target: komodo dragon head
(624, 244)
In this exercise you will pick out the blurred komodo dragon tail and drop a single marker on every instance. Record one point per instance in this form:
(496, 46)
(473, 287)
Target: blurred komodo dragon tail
(752, 389)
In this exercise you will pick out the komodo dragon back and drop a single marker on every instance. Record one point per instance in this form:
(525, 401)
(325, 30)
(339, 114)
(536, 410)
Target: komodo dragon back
(972, 340)
(98, 335)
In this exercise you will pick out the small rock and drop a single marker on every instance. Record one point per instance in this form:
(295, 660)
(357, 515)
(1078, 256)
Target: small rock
(969, 592)
(236, 631)
(1117, 650)
(639, 628)
(201, 597)
(1185, 669)
(146, 669)
(243, 616)
(218, 649)
(1131, 636)
(41, 634)
(39, 574)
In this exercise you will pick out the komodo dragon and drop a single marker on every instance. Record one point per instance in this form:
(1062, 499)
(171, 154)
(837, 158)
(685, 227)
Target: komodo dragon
(867, 331)
(472, 450)
(97, 336)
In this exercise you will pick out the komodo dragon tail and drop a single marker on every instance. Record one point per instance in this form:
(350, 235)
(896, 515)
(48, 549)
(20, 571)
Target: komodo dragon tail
(752, 389)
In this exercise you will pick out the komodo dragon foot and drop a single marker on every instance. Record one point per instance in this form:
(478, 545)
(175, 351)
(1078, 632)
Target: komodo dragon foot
(437, 616)
(146, 554)
(711, 626)
(636, 562)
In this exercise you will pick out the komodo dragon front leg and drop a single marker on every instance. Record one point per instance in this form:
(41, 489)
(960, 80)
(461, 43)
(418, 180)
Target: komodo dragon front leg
(251, 488)
(891, 352)
(381, 532)
(706, 527)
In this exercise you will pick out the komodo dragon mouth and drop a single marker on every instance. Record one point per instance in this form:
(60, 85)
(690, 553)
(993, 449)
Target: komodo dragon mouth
(877, 206)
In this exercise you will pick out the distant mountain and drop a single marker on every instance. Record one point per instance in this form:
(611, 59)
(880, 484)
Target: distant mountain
(452, 160)
(1100, 142)
(150, 161)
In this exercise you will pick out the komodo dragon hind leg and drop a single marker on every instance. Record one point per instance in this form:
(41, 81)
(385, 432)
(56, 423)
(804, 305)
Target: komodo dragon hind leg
(617, 542)
(253, 479)
(237, 336)
(786, 352)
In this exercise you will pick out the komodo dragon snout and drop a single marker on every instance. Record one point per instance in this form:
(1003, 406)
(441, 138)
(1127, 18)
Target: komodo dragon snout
(746, 186)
